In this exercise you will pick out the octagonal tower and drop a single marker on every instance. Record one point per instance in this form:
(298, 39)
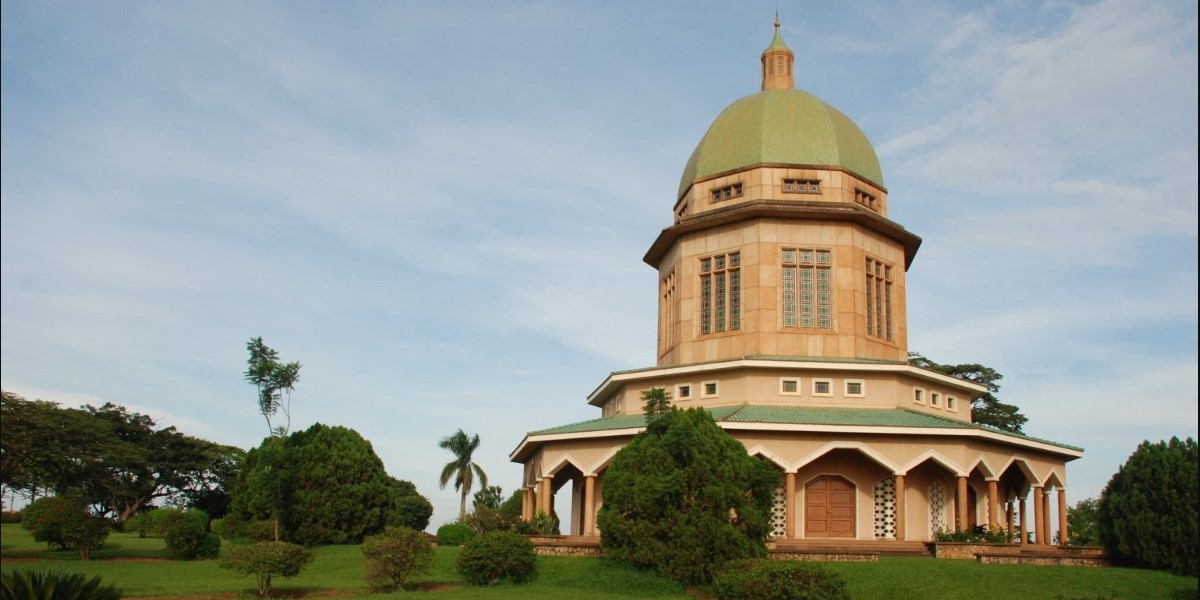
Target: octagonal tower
(781, 245)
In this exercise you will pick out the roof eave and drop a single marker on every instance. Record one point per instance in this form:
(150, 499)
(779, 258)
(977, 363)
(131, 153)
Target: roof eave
(791, 209)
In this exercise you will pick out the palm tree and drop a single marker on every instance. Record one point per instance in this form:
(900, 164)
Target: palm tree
(463, 469)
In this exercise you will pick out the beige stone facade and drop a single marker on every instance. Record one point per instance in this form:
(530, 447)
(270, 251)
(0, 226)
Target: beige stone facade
(782, 311)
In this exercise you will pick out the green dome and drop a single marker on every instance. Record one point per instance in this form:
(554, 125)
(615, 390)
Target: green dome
(781, 126)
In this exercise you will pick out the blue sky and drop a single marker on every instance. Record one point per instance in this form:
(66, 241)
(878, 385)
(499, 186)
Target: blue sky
(440, 209)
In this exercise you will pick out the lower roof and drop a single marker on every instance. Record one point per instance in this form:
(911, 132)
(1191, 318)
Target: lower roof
(754, 416)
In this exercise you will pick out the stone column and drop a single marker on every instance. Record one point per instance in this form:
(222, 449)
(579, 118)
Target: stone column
(546, 496)
(789, 492)
(900, 517)
(527, 504)
(1062, 517)
(993, 503)
(1046, 519)
(1009, 522)
(1038, 518)
(961, 517)
(589, 505)
(1022, 535)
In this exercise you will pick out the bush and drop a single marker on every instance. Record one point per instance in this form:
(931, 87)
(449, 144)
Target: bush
(21, 583)
(188, 538)
(777, 580)
(454, 534)
(265, 560)
(1147, 513)
(396, 555)
(10, 516)
(486, 519)
(235, 528)
(141, 524)
(65, 524)
(44, 519)
(85, 533)
(497, 556)
(979, 534)
(1082, 523)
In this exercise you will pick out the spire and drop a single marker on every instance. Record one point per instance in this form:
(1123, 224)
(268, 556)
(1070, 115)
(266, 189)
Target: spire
(777, 62)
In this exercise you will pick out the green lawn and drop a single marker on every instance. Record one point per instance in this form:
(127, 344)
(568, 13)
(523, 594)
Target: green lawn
(123, 562)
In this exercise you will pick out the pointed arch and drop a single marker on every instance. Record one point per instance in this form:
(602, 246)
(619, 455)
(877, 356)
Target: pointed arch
(984, 467)
(558, 465)
(1053, 479)
(936, 457)
(866, 450)
(775, 459)
(604, 461)
(1022, 463)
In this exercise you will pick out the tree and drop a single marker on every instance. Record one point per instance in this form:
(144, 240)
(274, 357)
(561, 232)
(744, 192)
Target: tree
(488, 497)
(274, 381)
(142, 463)
(115, 459)
(1083, 523)
(986, 409)
(657, 401)
(323, 485)
(409, 508)
(44, 446)
(463, 468)
(684, 497)
(1147, 512)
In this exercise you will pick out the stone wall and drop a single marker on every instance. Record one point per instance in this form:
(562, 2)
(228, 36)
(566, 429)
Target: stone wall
(562, 545)
(824, 557)
(969, 550)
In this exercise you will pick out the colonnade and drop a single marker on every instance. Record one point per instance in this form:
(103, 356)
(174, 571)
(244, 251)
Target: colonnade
(540, 497)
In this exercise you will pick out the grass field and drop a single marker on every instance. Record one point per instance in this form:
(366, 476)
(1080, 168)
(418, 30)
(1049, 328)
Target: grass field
(134, 564)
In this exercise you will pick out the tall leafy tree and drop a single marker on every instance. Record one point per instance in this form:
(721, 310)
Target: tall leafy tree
(116, 460)
(144, 463)
(1148, 510)
(684, 497)
(274, 381)
(44, 446)
(656, 403)
(462, 469)
(986, 409)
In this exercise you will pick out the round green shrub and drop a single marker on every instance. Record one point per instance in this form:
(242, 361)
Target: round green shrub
(265, 560)
(758, 579)
(497, 556)
(188, 538)
(396, 555)
(454, 534)
(44, 518)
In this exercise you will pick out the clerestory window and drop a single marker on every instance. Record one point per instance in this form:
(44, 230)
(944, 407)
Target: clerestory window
(721, 293)
(879, 299)
(807, 288)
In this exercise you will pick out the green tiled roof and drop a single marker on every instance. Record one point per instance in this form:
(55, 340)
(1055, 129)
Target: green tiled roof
(802, 415)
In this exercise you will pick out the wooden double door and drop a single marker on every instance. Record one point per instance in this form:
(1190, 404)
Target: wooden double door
(829, 508)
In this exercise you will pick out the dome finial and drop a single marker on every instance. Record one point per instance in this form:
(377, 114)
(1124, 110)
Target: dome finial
(777, 62)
